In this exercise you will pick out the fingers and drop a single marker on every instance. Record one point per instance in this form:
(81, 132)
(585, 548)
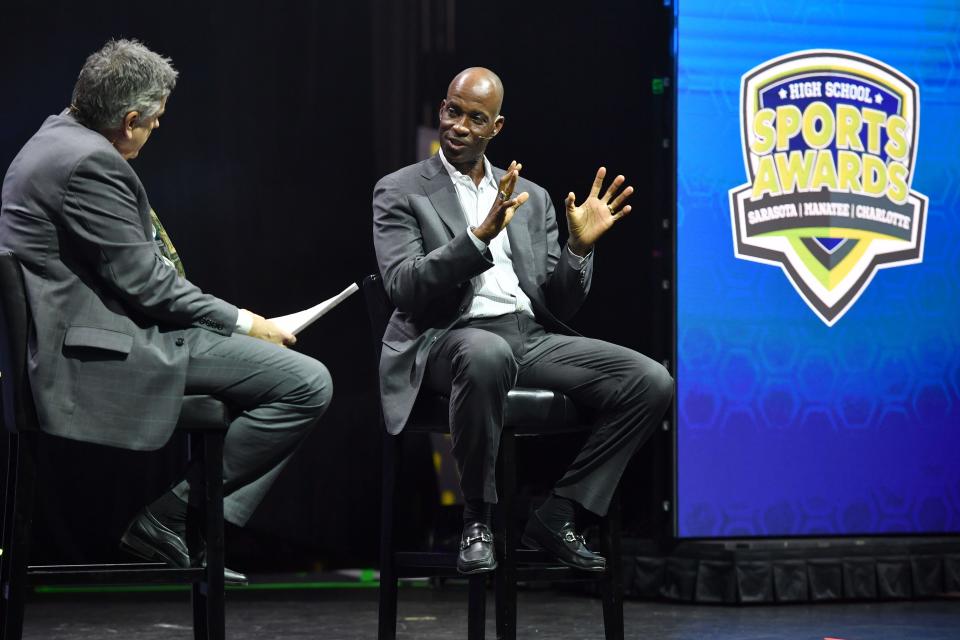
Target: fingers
(622, 213)
(571, 202)
(516, 202)
(268, 331)
(507, 183)
(509, 179)
(511, 208)
(597, 182)
(626, 193)
(613, 188)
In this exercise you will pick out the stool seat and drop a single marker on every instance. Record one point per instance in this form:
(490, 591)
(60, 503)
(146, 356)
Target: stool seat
(203, 413)
(528, 412)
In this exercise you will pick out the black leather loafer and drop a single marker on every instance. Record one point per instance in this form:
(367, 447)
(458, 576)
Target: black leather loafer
(148, 538)
(476, 549)
(568, 547)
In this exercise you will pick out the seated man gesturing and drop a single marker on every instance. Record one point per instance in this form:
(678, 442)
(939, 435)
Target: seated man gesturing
(482, 290)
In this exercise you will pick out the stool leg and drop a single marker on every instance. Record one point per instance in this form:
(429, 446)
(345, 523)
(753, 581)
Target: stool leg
(216, 545)
(213, 526)
(208, 593)
(477, 608)
(611, 584)
(198, 590)
(390, 468)
(17, 524)
(198, 599)
(506, 539)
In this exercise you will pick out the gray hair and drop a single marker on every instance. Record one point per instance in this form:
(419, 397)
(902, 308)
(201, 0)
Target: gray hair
(121, 77)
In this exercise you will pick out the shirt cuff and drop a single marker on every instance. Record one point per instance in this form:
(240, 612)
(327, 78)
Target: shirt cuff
(477, 242)
(244, 322)
(576, 261)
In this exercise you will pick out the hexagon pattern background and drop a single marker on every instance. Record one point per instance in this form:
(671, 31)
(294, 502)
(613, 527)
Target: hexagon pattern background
(787, 427)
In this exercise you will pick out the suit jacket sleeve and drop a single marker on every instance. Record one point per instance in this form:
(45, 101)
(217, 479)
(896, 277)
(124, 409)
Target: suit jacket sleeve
(100, 214)
(568, 281)
(412, 277)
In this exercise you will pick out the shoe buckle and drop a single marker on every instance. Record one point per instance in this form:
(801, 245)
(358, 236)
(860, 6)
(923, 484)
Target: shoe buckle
(483, 537)
(570, 536)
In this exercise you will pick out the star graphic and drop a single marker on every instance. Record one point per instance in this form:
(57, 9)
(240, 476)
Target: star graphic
(782, 93)
(878, 98)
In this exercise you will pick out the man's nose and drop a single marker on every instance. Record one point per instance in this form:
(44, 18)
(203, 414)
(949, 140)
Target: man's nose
(460, 126)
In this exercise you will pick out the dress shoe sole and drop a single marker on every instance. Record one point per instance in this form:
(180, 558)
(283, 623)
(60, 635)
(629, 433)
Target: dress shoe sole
(134, 545)
(530, 543)
(466, 571)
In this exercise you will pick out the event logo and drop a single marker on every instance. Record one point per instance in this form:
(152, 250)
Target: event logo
(829, 147)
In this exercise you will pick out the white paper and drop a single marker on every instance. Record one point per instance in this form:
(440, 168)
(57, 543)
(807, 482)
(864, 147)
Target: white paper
(297, 322)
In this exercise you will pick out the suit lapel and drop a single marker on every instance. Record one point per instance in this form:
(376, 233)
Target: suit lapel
(443, 196)
(521, 249)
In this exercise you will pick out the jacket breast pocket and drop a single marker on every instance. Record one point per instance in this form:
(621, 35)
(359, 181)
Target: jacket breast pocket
(97, 343)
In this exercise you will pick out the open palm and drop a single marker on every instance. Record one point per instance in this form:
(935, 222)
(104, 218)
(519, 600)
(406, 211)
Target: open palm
(588, 221)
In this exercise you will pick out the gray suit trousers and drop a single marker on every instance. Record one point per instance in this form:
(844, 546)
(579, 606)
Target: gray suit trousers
(479, 361)
(280, 393)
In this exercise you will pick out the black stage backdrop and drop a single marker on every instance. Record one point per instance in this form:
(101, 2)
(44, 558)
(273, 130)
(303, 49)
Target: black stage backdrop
(285, 115)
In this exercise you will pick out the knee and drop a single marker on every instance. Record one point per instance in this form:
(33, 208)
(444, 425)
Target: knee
(486, 359)
(317, 388)
(659, 385)
(651, 384)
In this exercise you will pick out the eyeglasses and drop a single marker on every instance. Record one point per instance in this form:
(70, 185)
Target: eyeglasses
(477, 123)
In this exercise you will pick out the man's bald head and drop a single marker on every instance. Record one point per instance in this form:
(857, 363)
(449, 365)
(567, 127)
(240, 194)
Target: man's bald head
(470, 118)
(480, 82)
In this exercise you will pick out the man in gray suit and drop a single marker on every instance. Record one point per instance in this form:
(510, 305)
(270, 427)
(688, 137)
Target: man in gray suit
(119, 335)
(482, 291)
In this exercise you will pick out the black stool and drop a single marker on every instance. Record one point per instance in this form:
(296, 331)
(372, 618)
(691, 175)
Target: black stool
(203, 419)
(529, 413)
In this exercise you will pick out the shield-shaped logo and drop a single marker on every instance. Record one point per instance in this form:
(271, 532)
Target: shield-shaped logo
(829, 148)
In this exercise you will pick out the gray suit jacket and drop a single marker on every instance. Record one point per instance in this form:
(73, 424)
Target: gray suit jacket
(427, 261)
(107, 358)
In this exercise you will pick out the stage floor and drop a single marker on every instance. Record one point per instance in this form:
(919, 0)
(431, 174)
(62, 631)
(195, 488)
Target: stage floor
(427, 613)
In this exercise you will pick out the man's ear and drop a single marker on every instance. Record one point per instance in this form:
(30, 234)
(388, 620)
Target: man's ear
(130, 123)
(498, 124)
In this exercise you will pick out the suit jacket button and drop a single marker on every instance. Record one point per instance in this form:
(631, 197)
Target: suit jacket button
(179, 342)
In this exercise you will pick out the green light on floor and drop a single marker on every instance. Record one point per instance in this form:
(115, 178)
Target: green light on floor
(367, 582)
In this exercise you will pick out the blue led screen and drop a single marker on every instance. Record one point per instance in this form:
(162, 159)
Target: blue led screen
(818, 268)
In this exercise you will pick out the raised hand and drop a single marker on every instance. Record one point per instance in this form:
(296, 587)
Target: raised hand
(597, 214)
(504, 207)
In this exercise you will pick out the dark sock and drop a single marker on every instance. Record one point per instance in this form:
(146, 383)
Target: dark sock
(556, 511)
(586, 519)
(477, 511)
(171, 511)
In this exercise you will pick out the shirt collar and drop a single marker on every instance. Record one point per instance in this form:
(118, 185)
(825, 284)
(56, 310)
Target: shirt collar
(456, 176)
